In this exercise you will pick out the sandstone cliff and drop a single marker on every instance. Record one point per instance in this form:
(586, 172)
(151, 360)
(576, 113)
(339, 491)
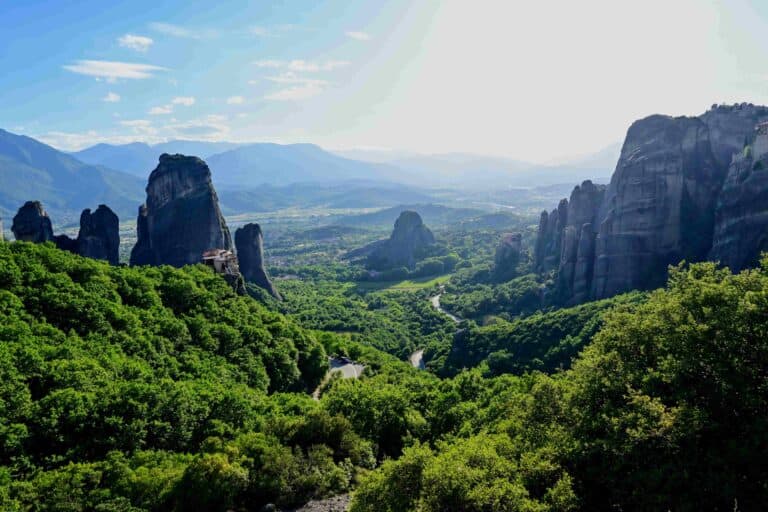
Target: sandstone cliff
(250, 253)
(660, 207)
(181, 218)
(408, 243)
(741, 218)
(507, 256)
(99, 236)
(32, 224)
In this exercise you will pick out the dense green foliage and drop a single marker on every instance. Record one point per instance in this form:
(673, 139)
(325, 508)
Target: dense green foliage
(138, 383)
(545, 341)
(665, 410)
(138, 389)
(391, 321)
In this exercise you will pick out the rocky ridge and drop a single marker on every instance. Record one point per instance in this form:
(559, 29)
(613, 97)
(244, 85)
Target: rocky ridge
(684, 188)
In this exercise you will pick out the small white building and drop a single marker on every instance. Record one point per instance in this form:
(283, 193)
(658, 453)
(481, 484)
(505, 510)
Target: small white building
(222, 261)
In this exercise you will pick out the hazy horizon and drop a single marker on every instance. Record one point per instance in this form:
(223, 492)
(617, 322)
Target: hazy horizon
(539, 83)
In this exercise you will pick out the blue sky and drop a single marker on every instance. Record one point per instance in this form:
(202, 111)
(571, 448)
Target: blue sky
(538, 81)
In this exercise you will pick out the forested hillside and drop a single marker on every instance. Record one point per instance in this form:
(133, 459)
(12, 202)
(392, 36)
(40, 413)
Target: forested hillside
(137, 389)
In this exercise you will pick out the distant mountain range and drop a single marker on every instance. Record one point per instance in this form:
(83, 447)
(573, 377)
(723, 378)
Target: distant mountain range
(478, 171)
(252, 165)
(262, 176)
(31, 170)
(140, 159)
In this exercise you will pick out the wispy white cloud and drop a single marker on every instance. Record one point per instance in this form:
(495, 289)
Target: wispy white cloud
(161, 111)
(111, 97)
(295, 92)
(170, 29)
(302, 66)
(140, 126)
(270, 64)
(235, 100)
(290, 77)
(134, 42)
(113, 70)
(187, 101)
(211, 127)
(74, 141)
(358, 36)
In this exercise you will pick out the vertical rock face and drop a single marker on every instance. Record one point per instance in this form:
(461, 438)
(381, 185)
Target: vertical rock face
(250, 253)
(32, 224)
(181, 218)
(659, 208)
(408, 242)
(99, 236)
(507, 256)
(741, 219)
(548, 244)
(583, 209)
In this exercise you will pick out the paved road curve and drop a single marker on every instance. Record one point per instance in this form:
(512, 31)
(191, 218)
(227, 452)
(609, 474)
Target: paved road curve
(348, 369)
(417, 358)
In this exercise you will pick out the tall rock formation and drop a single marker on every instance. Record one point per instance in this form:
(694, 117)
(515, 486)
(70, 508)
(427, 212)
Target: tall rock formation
(741, 218)
(250, 253)
(99, 236)
(575, 268)
(32, 224)
(181, 218)
(547, 249)
(659, 208)
(409, 242)
(507, 256)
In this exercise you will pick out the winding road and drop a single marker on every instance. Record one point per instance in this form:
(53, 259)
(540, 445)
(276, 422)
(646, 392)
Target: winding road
(348, 369)
(417, 358)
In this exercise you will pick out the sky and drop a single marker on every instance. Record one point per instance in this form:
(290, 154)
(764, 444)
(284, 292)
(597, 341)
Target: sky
(540, 81)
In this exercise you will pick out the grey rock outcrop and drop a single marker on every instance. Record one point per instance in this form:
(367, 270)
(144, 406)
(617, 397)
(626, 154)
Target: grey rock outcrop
(577, 240)
(181, 218)
(250, 253)
(99, 236)
(741, 218)
(507, 256)
(32, 224)
(548, 244)
(659, 208)
(409, 242)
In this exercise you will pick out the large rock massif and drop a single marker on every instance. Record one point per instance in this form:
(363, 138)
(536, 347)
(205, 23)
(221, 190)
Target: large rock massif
(32, 224)
(181, 218)
(250, 253)
(507, 256)
(99, 236)
(409, 242)
(685, 188)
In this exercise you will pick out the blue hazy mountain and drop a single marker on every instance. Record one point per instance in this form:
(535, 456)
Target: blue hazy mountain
(140, 159)
(481, 171)
(278, 164)
(31, 170)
